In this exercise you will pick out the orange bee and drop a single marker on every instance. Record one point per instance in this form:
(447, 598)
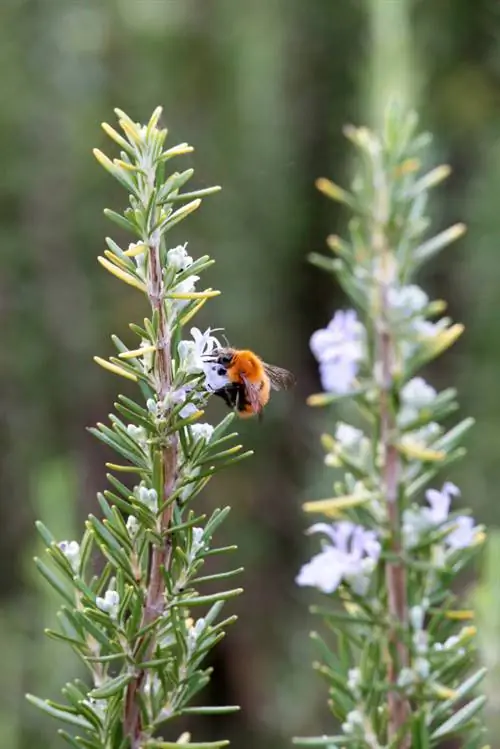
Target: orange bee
(251, 380)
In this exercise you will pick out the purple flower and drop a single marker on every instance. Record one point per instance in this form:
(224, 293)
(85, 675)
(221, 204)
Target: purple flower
(463, 534)
(338, 350)
(351, 556)
(440, 503)
(460, 531)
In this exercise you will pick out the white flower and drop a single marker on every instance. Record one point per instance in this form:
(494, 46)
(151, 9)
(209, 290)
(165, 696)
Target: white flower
(406, 678)
(347, 435)
(138, 434)
(148, 497)
(152, 684)
(186, 491)
(422, 667)
(201, 431)
(406, 301)
(187, 286)
(354, 679)
(194, 633)
(215, 376)
(178, 259)
(71, 550)
(351, 556)
(152, 406)
(197, 542)
(139, 258)
(439, 503)
(417, 614)
(338, 349)
(192, 354)
(132, 525)
(421, 641)
(417, 393)
(353, 723)
(109, 604)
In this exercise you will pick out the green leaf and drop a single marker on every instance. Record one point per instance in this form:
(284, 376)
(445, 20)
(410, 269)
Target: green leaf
(201, 600)
(55, 712)
(122, 222)
(44, 532)
(71, 740)
(54, 581)
(159, 744)
(462, 691)
(325, 740)
(111, 687)
(460, 718)
(211, 710)
(217, 576)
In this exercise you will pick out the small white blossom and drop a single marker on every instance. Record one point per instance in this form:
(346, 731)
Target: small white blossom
(354, 723)
(197, 543)
(152, 684)
(139, 258)
(138, 434)
(422, 667)
(194, 633)
(351, 556)
(417, 614)
(71, 550)
(187, 286)
(354, 679)
(175, 397)
(338, 349)
(417, 393)
(98, 707)
(152, 406)
(347, 435)
(178, 258)
(186, 490)
(148, 497)
(407, 301)
(192, 354)
(109, 604)
(421, 641)
(202, 431)
(132, 525)
(406, 678)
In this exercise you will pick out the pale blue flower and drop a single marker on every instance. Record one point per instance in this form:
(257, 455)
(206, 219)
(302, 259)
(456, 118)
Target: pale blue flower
(461, 531)
(351, 556)
(202, 431)
(71, 550)
(338, 349)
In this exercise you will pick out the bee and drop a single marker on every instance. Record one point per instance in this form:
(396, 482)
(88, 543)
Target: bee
(251, 380)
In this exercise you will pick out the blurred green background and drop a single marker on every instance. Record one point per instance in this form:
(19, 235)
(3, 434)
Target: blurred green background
(261, 89)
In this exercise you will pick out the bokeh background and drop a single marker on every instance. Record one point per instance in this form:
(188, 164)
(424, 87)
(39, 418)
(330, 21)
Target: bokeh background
(261, 89)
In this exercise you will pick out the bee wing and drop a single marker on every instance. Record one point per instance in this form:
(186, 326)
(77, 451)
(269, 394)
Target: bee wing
(252, 393)
(280, 379)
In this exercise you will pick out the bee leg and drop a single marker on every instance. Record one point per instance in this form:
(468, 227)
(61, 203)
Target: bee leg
(229, 394)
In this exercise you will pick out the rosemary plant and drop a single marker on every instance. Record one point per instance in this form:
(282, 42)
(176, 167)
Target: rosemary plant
(130, 617)
(400, 667)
